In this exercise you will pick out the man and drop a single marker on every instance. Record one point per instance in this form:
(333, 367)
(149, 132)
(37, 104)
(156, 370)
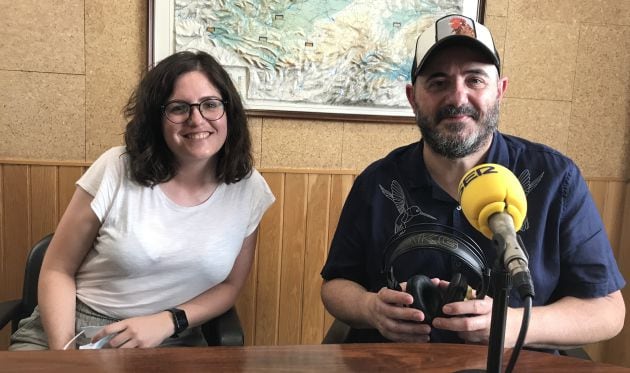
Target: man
(455, 94)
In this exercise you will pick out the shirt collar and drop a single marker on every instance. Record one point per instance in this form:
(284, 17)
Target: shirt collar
(414, 167)
(498, 152)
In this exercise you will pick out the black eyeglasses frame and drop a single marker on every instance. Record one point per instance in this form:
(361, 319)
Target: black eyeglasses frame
(190, 109)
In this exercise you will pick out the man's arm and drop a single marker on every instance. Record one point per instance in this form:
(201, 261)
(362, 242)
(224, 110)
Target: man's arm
(359, 308)
(573, 321)
(565, 323)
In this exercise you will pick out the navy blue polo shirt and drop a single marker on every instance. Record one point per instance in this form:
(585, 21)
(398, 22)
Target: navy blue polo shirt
(569, 252)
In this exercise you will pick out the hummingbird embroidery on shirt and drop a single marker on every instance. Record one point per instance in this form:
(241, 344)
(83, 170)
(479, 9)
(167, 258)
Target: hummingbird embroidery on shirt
(406, 212)
(528, 185)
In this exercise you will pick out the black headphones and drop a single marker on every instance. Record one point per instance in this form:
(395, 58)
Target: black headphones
(432, 236)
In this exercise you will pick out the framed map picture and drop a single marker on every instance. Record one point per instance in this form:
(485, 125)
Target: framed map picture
(344, 59)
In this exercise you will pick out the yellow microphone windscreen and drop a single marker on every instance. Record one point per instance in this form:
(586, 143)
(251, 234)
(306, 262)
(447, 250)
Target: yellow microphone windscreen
(488, 189)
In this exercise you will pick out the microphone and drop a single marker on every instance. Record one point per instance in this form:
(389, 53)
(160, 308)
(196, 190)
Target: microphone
(494, 202)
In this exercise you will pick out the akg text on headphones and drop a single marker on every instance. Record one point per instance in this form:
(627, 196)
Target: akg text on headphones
(441, 238)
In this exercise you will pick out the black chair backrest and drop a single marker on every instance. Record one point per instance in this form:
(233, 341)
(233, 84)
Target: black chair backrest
(31, 276)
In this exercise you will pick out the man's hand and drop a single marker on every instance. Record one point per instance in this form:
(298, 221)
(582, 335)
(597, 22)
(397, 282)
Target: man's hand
(139, 332)
(395, 322)
(472, 319)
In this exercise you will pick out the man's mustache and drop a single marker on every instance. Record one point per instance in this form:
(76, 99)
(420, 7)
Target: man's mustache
(452, 110)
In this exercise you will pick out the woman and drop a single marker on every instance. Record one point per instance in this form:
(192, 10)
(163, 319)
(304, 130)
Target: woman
(160, 233)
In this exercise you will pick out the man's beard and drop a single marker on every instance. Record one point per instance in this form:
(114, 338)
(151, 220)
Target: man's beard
(448, 143)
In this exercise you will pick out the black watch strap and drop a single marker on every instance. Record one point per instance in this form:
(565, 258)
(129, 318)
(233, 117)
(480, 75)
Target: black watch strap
(179, 320)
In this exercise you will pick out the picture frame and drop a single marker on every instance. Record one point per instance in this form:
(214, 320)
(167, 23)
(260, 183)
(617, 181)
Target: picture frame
(319, 79)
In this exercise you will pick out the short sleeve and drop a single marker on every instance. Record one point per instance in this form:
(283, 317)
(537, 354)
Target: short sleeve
(262, 198)
(102, 179)
(588, 265)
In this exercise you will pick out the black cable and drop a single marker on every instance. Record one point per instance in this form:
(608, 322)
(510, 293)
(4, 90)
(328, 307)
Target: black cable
(521, 334)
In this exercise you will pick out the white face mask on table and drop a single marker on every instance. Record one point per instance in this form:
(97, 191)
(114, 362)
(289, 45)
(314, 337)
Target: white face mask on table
(88, 332)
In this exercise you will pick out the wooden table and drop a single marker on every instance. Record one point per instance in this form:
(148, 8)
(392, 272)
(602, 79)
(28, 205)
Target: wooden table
(391, 357)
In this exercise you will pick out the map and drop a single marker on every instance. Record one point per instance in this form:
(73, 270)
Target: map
(345, 56)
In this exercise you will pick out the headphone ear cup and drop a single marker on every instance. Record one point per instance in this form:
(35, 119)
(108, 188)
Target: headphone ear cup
(456, 290)
(427, 297)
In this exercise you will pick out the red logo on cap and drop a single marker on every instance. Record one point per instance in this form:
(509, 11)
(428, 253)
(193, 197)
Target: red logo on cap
(459, 26)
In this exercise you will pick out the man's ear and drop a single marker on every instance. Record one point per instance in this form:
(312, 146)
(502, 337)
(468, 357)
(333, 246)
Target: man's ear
(502, 85)
(409, 90)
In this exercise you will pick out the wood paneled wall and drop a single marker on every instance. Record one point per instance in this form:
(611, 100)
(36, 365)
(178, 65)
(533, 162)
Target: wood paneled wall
(280, 303)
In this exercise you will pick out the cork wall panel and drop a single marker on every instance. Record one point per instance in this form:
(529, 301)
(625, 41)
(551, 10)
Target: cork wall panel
(541, 67)
(591, 11)
(547, 124)
(546, 48)
(599, 140)
(115, 54)
(498, 8)
(363, 143)
(612, 12)
(255, 130)
(301, 143)
(42, 115)
(498, 28)
(547, 10)
(42, 36)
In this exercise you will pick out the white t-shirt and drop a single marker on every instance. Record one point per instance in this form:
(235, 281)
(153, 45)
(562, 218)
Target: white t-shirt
(151, 254)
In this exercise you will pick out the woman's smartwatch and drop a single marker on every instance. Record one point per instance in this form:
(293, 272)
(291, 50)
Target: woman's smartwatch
(179, 320)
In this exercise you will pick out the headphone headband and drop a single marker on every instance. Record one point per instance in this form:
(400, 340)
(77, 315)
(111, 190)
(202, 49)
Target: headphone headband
(437, 237)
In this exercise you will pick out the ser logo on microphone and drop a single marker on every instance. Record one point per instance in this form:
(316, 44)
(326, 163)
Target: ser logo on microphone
(475, 173)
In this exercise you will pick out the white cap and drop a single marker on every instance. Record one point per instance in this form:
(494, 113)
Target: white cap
(449, 29)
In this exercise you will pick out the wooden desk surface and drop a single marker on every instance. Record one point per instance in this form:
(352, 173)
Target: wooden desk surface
(303, 358)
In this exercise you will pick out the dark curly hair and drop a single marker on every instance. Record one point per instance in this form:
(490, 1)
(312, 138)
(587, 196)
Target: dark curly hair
(151, 160)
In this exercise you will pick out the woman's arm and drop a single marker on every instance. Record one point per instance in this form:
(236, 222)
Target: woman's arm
(71, 242)
(151, 330)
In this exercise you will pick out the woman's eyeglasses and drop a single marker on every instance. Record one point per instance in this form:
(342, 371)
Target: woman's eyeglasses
(179, 111)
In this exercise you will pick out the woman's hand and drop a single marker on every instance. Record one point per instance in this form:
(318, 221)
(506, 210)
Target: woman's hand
(139, 332)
